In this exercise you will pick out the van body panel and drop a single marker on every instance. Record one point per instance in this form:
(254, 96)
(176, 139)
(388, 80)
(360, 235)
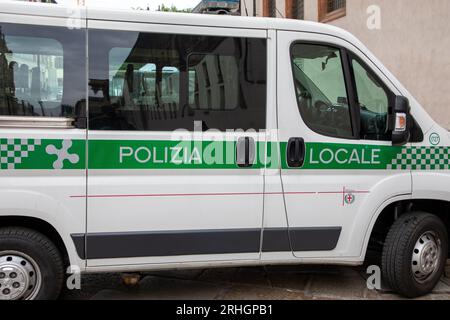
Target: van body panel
(213, 210)
(121, 203)
(43, 10)
(43, 162)
(30, 189)
(430, 181)
(315, 195)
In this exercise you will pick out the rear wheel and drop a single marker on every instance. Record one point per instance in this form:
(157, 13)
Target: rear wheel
(415, 253)
(31, 267)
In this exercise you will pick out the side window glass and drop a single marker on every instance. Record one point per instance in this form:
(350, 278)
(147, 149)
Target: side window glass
(170, 87)
(37, 76)
(216, 82)
(164, 82)
(321, 90)
(373, 101)
(138, 86)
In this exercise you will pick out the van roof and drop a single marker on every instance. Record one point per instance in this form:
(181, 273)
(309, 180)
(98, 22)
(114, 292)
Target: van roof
(52, 10)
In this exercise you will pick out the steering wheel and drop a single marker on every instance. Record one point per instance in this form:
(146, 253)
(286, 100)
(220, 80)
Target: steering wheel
(334, 115)
(323, 111)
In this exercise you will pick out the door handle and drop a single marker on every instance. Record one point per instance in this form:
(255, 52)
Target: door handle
(295, 152)
(245, 152)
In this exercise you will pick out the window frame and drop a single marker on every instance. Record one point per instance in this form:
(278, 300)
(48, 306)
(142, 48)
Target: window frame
(270, 8)
(325, 16)
(350, 84)
(291, 13)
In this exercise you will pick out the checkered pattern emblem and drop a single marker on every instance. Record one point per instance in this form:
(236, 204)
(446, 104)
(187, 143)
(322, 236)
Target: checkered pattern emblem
(422, 158)
(13, 151)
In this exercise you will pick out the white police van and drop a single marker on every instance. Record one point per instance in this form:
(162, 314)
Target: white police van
(134, 141)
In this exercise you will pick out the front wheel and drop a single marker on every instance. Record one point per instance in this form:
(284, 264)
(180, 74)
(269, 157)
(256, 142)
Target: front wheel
(415, 254)
(31, 267)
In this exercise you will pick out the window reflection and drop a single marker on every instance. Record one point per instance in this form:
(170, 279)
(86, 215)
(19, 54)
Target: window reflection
(35, 78)
(164, 82)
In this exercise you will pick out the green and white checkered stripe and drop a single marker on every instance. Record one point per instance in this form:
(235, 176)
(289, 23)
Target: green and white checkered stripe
(14, 151)
(51, 154)
(422, 158)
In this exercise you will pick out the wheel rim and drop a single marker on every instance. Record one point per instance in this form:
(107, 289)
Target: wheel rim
(426, 256)
(20, 276)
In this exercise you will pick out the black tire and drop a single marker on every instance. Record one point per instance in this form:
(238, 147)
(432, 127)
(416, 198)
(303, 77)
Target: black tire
(44, 253)
(398, 251)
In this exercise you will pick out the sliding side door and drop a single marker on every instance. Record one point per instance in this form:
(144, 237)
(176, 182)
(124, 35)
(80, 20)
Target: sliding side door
(170, 178)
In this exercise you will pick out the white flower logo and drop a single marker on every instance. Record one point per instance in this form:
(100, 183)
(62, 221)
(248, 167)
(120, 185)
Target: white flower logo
(62, 154)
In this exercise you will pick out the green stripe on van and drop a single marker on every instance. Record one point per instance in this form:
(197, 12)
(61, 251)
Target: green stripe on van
(134, 154)
(329, 156)
(321, 156)
(48, 154)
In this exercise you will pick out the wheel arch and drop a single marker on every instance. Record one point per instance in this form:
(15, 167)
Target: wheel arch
(47, 214)
(393, 209)
(41, 226)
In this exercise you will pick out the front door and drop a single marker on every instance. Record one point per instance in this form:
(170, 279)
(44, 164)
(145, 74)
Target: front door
(170, 178)
(337, 159)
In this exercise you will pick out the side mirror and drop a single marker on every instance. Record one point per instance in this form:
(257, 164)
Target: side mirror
(401, 121)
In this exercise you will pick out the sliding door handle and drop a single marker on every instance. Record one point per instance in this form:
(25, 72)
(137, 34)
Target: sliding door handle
(295, 152)
(245, 152)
